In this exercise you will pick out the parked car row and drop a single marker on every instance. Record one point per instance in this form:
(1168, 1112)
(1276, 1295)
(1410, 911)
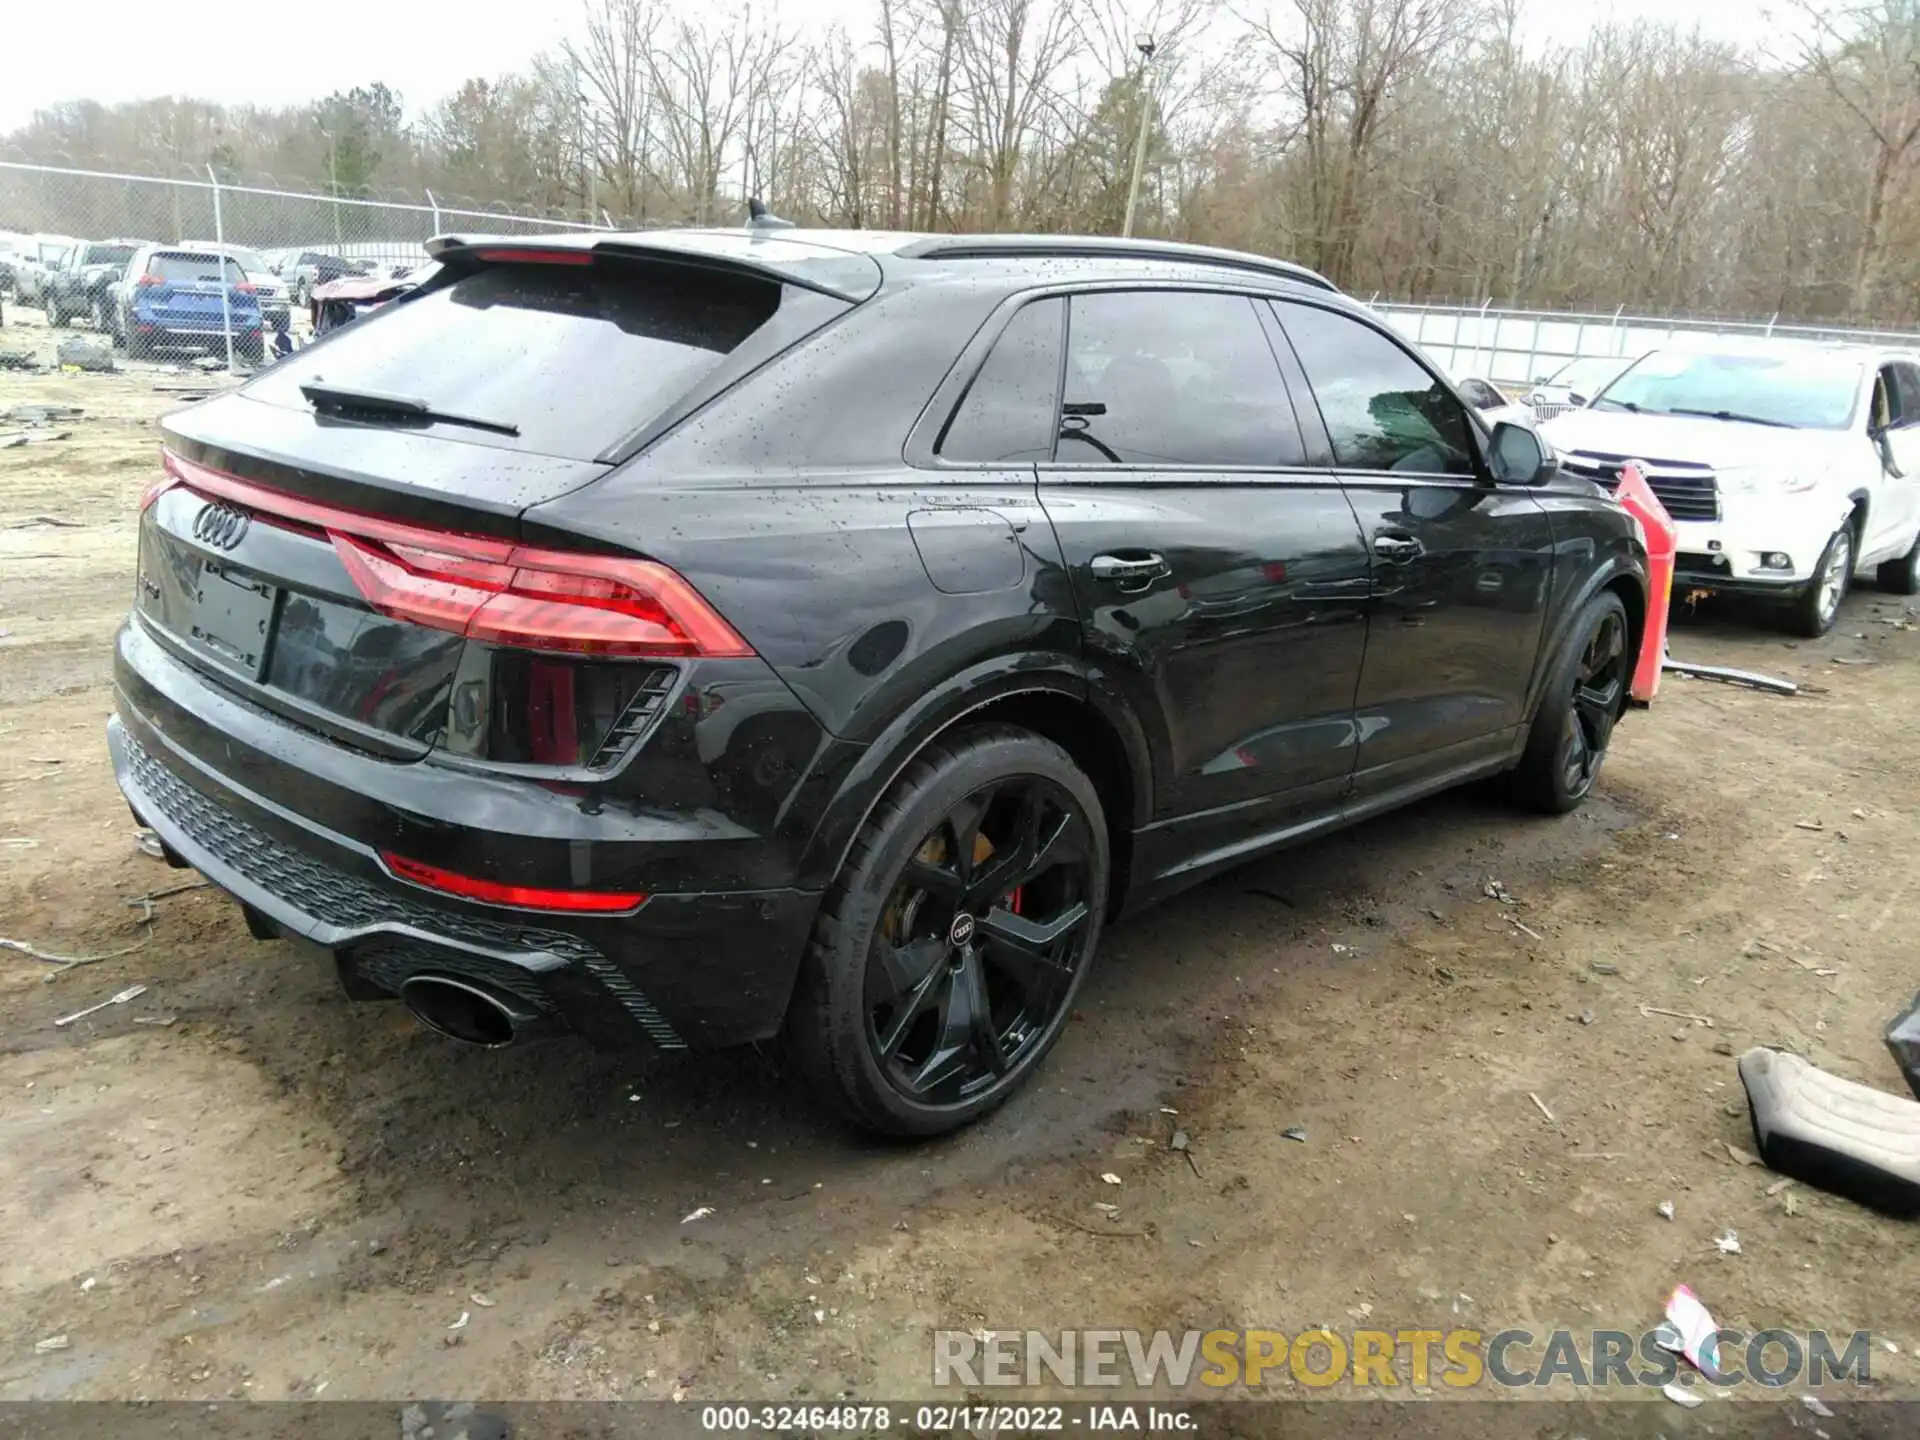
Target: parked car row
(72, 279)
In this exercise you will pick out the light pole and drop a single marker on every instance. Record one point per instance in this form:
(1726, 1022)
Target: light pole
(333, 182)
(1144, 44)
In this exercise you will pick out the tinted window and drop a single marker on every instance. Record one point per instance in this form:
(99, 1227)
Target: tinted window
(1171, 378)
(577, 357)
(1008, 415)
(179, 268)
(108, 255)
(1906, 380)
(1384, 411)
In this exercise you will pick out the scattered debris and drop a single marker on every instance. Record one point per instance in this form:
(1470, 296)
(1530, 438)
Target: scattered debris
(1698, 1332)
(1524, 929)
(1777, 1187)
(1107, 1208)
(67, 962)
(702, 1213)
(1109, 1178)
(1816, 1406)
(132, 992)
(1743, 1157)
(1665, 1209)
(1668, 1338)
(1585, 1017)
(1703, 1020)
(485, 1302)
(17, 360)
(148, 842)
(1494, 890)
(461, 1323)
(1294, 1132)
(160, 1020)
(1728, 1243)
(1180, 1140)
(1808, 825)
(87, 355)
(1541, 1106)
(1836, 1134)
(1601, 967)
(1751, 679)
(1681, 1396)
(51, 1344)
(1903, 1043)
(36, 415)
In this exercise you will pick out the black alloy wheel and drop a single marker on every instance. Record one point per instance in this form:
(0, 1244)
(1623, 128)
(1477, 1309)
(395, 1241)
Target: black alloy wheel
(976, 953)
(1599, 682)
(949, 950)
(1584, 696)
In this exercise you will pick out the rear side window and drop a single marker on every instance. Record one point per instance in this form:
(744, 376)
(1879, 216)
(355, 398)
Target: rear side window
(1173, 378)
(1008, 415)
(184, 268)
(1383, 410)
(576, 357)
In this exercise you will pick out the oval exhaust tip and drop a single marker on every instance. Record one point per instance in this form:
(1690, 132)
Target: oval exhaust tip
(458, 1010)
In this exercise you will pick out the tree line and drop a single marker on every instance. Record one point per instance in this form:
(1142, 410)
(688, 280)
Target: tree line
(1417, 148)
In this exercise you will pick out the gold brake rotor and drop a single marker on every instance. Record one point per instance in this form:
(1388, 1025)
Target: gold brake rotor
(897, 922)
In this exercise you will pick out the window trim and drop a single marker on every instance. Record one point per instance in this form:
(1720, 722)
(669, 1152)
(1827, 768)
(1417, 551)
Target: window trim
(1477, 432)
(937, 414)
(945, 427)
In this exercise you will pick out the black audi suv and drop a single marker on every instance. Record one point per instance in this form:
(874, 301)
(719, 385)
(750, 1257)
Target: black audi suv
(691, 638)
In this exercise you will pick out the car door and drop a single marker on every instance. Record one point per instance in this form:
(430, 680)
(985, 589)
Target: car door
(1216, 564)
(1899, 498)
(1461, 566)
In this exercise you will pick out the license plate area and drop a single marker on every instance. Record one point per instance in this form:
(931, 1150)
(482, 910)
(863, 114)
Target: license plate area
(231, 618)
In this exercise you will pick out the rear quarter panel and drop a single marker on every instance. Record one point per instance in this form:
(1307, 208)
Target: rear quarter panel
(1594, 547)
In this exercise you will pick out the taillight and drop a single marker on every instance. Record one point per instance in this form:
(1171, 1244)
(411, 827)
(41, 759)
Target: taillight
(525, 897)
(149, 279)
(497, 591)
(244, 288)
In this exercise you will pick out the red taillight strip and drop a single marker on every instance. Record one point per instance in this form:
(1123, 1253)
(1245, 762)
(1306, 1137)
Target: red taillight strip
(522, 897)
(490, 589)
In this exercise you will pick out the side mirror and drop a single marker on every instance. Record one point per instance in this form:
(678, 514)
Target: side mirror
(1518, 457)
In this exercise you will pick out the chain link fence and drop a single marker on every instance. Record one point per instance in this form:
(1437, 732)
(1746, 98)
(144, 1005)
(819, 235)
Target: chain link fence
(1514, 348)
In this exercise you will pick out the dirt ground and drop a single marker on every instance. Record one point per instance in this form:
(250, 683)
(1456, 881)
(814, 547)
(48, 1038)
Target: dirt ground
(241, 1185)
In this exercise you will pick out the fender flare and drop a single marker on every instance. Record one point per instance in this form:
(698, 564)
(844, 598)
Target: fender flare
(971, 690)
(1629, 565)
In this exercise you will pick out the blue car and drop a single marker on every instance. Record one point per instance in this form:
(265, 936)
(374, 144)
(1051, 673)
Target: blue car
(171, 298)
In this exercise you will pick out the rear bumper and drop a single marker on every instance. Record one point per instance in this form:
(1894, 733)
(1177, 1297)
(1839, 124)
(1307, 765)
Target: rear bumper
(688, 970)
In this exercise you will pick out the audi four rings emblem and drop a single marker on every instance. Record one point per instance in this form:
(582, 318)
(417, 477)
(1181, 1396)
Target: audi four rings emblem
(219, 525)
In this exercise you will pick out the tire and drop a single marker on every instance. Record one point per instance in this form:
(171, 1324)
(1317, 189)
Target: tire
(909, 941)
(1586, 692)
(1902, 576)
(1817, 606)
(56, 317)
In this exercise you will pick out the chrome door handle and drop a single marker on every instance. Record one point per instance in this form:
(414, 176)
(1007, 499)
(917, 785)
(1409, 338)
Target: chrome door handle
(1397, 548)
(1129, 574)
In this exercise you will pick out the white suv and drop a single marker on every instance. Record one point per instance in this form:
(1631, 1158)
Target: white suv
(1785, 470)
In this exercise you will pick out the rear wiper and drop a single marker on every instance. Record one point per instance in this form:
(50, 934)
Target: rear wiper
(1735, 415)
(337, 398)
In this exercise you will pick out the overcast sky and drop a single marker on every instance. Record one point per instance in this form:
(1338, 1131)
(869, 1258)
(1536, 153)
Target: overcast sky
(132, 51)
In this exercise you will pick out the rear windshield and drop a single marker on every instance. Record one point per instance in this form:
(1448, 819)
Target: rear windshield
(108, 254)
(576, 357)
(182, 268)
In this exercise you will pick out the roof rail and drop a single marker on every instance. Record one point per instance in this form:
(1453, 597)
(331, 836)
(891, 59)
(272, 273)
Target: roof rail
(1101, 247)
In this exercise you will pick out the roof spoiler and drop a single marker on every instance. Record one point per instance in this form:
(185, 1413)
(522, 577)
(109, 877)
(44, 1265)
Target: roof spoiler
(840, 274)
